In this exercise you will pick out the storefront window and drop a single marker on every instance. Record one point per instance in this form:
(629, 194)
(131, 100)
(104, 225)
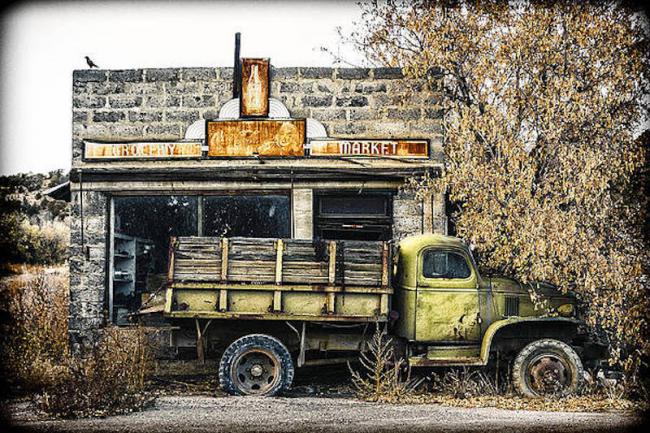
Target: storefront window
(260, 216)
(142, 228)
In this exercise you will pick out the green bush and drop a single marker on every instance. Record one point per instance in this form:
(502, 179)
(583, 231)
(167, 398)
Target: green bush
(24, 242)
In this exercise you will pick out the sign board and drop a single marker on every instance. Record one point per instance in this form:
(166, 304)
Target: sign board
(142, 150)
(254, 100)
(250, 137)
(399, 148)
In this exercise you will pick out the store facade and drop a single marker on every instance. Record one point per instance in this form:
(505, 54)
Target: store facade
(153, 158)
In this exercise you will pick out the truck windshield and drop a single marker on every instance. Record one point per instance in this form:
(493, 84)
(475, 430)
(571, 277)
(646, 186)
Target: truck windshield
(444, 264)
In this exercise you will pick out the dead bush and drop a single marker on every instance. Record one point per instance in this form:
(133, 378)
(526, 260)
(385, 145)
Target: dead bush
(35, 334)
(382, 377)
(37, 360)
(109, 380)
(464, 383)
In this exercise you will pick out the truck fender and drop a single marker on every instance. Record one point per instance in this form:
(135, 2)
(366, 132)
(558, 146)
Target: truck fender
(495, 327)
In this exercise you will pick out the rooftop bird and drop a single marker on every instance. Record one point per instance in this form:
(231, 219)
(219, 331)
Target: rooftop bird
(91, 64)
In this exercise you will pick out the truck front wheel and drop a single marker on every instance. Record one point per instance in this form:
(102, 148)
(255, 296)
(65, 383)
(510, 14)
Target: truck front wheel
(256, 364)
(547, 367)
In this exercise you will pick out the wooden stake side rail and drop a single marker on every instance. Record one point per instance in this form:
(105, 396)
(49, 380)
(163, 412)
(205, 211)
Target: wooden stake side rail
(275, 279)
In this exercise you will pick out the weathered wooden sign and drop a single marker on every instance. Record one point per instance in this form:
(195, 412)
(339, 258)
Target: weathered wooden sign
(250, 137)
(141, 150)
(404, 148)
(254, 100)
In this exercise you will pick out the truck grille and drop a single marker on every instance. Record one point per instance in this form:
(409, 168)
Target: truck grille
(512, 306)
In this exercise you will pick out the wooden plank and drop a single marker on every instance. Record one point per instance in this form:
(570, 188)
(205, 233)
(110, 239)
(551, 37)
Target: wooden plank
(278, 261)
(284, 288)
(170, 271)
(223, 300)
(332, 262)
(224, 259)
(277, 300)
(331, 302)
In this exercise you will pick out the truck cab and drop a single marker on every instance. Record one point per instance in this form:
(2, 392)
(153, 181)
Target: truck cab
(451, 315)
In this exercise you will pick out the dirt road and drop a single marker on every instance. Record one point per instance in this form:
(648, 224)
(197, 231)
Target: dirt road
(312, 414)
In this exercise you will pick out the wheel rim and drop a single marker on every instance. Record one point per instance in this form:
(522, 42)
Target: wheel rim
(255, 371)
(548, 374)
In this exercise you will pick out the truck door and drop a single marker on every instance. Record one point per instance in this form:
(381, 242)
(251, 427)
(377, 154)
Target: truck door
(447, 303)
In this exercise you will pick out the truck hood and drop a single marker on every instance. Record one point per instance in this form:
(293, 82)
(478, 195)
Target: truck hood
(510, 285)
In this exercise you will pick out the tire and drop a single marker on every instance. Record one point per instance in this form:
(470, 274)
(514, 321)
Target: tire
(256, 364)
(547, 367)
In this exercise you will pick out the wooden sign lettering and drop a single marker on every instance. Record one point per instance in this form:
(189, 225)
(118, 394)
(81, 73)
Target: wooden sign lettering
(400, 148)
(254, 98)
(263, 137)
(141, 150)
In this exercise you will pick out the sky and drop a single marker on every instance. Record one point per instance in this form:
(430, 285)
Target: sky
(43, 42)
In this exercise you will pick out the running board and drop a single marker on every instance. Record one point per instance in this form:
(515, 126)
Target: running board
(454, 355)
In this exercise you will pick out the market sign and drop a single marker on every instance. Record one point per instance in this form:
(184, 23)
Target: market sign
(141, 150)
(399, 148)
(256, 137)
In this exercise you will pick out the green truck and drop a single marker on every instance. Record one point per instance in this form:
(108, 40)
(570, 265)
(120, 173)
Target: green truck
(269, 305)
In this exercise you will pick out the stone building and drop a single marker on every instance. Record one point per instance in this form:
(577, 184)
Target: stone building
(125, 209)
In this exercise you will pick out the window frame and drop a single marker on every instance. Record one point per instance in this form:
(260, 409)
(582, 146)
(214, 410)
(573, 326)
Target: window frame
(200, 195)
(432, 282)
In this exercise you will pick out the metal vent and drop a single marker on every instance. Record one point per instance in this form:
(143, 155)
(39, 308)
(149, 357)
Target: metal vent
(512, 306)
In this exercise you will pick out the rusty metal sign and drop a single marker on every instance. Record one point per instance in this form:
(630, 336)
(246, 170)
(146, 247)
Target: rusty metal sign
(250, 137)
(399, 148)
(141, 150)
(254, 100)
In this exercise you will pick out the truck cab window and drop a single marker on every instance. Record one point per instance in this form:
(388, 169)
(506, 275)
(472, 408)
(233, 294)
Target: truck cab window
(442, 264)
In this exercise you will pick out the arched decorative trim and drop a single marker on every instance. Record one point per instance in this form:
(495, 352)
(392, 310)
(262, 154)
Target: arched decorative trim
(277, 110)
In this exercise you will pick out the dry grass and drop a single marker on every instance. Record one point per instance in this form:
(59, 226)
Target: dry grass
(35, 335)
(382, 378)
(109, 380)
(37, 361)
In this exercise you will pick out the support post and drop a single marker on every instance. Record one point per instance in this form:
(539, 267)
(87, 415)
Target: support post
(200, 340)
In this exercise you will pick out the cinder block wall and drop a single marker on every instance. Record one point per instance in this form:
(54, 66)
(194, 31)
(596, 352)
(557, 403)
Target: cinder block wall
(146, 104)
(159, 104)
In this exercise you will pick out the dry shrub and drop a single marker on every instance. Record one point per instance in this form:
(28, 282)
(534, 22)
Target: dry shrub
(109, 380)
(35, 335)
(464, 383)
(383, 377)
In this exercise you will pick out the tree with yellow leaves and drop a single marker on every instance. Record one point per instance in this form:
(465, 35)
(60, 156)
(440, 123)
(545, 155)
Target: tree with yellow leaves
(543, 105)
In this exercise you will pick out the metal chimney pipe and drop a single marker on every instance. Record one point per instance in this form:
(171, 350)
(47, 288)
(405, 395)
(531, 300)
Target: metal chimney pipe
(236, 76)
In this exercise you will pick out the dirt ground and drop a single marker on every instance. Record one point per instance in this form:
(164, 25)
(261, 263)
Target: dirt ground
(326, 414)
(320, 401)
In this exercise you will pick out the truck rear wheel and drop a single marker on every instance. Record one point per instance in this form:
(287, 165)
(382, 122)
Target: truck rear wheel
(547, 367)
(256, 364)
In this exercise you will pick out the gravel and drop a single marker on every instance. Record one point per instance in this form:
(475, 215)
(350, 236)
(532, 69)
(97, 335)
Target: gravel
(313, 414)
